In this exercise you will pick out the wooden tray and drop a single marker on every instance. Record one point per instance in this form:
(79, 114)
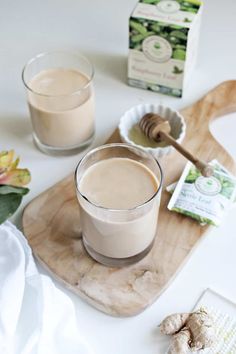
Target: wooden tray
(52, 226)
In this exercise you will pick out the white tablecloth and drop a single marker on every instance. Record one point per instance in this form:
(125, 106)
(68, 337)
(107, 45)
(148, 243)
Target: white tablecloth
(53, 327)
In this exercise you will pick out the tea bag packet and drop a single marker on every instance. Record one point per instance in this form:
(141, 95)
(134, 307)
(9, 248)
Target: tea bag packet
(217, 166)
(205, 199)
(220, 168)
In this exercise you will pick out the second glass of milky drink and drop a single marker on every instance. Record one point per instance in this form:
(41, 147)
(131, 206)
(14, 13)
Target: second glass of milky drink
(118, 188)
(61, 101)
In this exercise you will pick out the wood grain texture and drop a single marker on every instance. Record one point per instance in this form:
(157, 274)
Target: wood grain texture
(52, 226)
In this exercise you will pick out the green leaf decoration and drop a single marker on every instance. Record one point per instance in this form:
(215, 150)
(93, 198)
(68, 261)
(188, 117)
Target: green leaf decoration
(156, 28)
(136, 38)
(192, 175)
(157, 45)
(177, 70)
(194, 2)
(151, 1)
(12, 180)
(5, 189)
(174, 40)
(176, 27)
(179, 54)
(199, 218)
(138, 27)
(194, 11)
(8, 205)
(180, 46)
(179, 35)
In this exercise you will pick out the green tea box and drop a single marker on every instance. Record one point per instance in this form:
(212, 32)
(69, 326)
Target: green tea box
(163, 38)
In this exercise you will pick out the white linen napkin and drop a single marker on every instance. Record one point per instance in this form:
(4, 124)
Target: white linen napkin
(35, 316)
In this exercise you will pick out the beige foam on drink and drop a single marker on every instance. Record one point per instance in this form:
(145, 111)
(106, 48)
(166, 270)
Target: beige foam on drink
(61, 103)
(119, 184)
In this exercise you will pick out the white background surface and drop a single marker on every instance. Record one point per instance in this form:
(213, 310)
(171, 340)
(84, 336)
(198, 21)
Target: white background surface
(99, 29)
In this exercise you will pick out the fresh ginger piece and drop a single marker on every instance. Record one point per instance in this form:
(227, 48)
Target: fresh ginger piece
(201, 327)
(190, 331)
(180, 342)
(173, 323)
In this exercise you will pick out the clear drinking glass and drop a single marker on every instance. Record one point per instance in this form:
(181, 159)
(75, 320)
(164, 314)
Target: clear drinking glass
(60, 96)
(118, 237)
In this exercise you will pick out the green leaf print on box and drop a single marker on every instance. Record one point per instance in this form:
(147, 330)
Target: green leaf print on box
(176, 70)
(141, 29)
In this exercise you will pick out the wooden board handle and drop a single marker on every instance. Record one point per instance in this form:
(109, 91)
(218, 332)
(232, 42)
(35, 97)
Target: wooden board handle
(218, 97)
(217, 102)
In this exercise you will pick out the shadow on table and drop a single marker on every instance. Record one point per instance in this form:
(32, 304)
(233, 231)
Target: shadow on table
(109, 64)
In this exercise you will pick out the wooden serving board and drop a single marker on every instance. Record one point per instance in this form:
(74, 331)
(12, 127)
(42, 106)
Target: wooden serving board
(52, 226)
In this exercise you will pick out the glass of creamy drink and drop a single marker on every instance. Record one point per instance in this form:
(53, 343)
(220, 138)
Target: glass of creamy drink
(118, 188)
(60, 97)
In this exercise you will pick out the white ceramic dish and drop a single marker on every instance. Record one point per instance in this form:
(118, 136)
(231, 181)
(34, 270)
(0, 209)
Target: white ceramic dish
(134, 115)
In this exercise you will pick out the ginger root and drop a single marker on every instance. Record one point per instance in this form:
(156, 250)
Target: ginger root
(190, 331)
(173, 323)
(180, 342)
(202, 330)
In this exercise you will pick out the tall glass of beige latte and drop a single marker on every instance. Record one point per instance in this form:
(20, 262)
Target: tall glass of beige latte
(60, 96)
(118, 189)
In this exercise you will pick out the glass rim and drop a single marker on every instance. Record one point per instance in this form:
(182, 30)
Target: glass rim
(125, 146)
(43, 54)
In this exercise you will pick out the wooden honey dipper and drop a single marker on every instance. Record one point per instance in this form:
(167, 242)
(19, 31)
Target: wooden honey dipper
(157, 128)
